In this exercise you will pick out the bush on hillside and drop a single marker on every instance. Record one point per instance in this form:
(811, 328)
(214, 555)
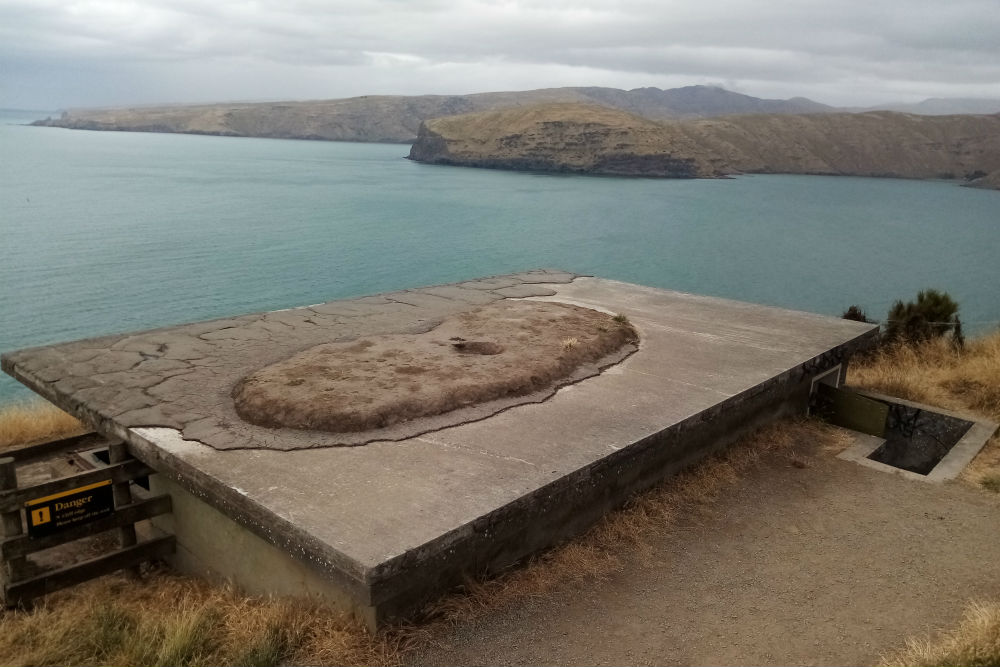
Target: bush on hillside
(933, 315)
(858, 314)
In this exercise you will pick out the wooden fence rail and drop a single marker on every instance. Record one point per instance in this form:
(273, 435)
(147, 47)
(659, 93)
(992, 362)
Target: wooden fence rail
(35, 518)
(50, 447)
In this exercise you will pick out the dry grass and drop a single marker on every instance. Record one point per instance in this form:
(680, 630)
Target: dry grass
(171, 620)
(168, 619)
(975, 642)
(936, 372)
(990, 483)
(966, 380)
(37, 421)
(602, 550)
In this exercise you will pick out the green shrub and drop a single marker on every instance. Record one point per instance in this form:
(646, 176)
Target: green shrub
(932, 315)
(858, 314)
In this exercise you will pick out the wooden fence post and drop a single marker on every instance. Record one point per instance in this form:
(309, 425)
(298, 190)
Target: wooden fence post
(19, 582)
(13, 569)
(117, 453)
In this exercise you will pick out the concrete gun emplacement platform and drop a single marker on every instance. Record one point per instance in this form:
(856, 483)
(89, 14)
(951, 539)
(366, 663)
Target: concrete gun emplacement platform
(382, 518)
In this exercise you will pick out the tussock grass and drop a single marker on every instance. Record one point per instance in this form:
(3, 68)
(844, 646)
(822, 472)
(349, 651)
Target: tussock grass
(974, 643)
(936, 372)
(36, 421)
(172, 620)
(991, 483)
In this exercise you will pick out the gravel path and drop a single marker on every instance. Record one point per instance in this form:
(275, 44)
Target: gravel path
(831, 563)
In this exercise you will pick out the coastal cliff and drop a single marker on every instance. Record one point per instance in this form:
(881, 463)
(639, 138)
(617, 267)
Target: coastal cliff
(564, 138)
(990, 181)
(587, 139)
(385, 118)
(366, 119)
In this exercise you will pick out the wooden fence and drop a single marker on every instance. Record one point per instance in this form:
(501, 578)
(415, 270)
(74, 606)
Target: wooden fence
(59, 511)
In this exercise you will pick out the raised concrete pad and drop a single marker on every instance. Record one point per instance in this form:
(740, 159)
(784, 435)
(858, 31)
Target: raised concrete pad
(392, 523)
(470, 366)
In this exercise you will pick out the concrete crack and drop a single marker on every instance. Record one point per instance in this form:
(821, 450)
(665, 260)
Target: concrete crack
(448, 445)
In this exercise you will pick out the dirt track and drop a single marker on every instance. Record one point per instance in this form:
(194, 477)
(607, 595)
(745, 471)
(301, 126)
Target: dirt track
(830, 563)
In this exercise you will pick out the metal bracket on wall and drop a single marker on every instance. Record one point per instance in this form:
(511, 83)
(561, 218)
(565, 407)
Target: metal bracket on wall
(843, 407)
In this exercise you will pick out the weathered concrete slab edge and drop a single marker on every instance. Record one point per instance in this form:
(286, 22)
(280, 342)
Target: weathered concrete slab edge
(448, 556)
(329, 562)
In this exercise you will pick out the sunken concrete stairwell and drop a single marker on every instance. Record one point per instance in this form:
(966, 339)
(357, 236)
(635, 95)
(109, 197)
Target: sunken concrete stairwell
(382, 520)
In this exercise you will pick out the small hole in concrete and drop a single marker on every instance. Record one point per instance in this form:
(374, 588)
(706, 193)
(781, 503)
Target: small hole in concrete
(917, 439)
(477, 347)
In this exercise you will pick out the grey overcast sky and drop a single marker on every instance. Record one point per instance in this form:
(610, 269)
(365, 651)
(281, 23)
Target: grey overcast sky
(68, 53)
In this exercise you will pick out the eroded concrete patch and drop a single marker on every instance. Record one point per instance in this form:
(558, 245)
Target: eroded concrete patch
(473, 364)
(182, 377)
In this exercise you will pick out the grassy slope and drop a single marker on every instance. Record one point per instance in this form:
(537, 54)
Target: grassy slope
(936, 373)
(975, 642)
(396, 118)
(575, 136)
(390, 118)
(581, 136)
(169, 620)
(25, 423)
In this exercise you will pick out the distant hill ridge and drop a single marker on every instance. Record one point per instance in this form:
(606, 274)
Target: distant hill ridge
(580, 138)
(938, 106)
(396, 119)
(694, 131)
(380, 118)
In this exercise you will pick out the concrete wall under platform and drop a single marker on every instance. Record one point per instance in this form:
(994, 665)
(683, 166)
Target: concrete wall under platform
(213, 546)
(570, 505)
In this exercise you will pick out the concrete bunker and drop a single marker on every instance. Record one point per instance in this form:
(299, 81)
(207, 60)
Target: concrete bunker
(917, 439)
(383, 528)
(907, 438)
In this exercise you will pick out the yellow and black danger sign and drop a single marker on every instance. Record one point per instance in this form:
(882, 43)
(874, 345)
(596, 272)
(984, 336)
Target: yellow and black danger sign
(70, 508)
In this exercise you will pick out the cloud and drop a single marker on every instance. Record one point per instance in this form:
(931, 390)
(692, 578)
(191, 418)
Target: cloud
(92, 52)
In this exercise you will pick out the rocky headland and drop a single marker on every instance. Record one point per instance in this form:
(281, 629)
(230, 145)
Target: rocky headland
(396, 119)
(990, 181)
(578, 138)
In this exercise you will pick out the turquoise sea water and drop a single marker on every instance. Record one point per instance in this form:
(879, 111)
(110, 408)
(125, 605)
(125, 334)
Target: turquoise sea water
(106, 232)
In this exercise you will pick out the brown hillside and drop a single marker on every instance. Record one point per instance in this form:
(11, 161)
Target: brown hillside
(397, 118)
(990, 181)
(582, 138)
(564, 137)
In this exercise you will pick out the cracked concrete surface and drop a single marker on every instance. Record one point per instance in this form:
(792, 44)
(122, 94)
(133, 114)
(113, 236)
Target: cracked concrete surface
(473, 365)
(182, 377)
(395, 523)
